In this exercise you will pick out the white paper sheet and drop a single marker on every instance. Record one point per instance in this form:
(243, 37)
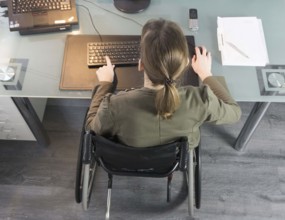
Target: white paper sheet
(241, 41)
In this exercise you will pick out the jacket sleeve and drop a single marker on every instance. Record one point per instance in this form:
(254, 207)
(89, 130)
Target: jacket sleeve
(99, 102)
(222, 108)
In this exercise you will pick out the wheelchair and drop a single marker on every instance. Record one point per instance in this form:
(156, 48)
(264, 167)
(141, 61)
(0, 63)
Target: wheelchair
(155, 161)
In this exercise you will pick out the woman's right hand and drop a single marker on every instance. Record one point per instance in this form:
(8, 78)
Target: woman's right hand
(106, 72)
(202, 63)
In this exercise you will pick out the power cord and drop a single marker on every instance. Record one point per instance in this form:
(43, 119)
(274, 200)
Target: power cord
(92, 22)
(99, 6)
(112, 12)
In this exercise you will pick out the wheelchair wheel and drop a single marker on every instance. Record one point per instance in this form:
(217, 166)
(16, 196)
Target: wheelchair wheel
(79, 174)
(88, 174)
(197, 176)
(190, 182)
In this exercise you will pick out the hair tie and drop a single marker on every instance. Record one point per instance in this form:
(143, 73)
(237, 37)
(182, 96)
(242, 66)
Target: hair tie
(169, 81)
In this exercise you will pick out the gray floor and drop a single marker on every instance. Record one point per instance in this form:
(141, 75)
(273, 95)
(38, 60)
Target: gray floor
(38, 183)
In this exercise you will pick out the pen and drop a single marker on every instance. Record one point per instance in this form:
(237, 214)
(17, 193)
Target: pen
(237, 49)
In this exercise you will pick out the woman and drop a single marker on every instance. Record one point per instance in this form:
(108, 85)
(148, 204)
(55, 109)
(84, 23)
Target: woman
(160, 112)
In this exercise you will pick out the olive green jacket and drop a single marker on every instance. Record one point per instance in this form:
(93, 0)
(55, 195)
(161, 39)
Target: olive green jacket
(131, 116)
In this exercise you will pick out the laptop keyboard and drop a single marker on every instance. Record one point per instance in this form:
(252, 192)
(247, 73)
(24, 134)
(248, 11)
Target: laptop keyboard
(122, 53)
(25, 6)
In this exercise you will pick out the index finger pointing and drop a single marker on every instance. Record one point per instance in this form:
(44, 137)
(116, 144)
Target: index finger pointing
(108, 61)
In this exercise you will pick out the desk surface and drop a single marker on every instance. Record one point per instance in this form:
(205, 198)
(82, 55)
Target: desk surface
(38, 58)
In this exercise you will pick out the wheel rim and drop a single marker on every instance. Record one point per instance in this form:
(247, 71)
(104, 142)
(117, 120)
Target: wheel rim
(87, 182)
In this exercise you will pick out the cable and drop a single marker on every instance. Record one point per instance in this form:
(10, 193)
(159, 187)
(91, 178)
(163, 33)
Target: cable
(99, 6)
(124, 17)
(97, 31)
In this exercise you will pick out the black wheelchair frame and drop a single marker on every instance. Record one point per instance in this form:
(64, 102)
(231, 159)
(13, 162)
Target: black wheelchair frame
(157, 161)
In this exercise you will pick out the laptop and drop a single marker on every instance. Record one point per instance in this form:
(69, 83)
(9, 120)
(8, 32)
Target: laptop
(39, 16)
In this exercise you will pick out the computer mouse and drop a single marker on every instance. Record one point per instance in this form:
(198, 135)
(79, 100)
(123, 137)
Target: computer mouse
(6, 73)
(201, 49)
(193, 50)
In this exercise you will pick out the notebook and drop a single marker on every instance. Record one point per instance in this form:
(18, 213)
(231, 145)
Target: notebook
(37, 16)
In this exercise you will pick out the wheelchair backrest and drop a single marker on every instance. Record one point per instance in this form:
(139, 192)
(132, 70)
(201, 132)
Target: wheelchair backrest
(159, 159)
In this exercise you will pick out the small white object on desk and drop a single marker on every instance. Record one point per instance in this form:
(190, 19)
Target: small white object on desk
(6, 73)
(241, 41)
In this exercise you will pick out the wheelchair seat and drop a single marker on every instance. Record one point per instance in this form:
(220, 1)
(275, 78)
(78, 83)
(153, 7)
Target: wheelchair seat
(119, 159)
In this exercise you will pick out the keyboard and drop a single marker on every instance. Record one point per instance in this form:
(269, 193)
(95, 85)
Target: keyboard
(25, 6)
(121, 53)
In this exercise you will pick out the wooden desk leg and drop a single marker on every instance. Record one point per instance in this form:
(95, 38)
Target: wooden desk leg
(25, 107)
(250, 125)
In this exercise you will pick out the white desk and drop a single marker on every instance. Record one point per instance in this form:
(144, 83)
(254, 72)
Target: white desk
(44, 52)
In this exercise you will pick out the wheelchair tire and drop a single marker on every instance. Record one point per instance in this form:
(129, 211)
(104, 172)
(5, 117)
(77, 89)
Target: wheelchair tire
(88, 172)
(79, 166)
(79, 174)
(190, 172)
(197, 177)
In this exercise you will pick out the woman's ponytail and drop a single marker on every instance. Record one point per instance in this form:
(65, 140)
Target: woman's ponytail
(167, 99)
(165, 56)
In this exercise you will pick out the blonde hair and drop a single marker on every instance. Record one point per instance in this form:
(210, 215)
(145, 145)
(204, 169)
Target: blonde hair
(164, 54)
